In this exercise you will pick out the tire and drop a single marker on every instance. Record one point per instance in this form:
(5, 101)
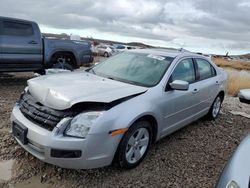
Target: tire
(134, 145)
(63, 61)
(41, 72)
(106, 54)
(215, 108)
(64, 66)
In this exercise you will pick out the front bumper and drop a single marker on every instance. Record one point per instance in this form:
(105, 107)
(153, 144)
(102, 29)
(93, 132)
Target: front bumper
(96, 150)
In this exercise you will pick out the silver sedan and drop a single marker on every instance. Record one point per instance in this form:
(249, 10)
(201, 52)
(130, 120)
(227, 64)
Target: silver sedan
(117, 109)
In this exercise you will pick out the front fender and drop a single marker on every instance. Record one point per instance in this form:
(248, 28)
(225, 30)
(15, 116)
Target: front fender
(124, 115)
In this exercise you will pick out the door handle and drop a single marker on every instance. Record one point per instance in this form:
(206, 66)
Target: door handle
(32, 42)
(195, 91)
(217, 83)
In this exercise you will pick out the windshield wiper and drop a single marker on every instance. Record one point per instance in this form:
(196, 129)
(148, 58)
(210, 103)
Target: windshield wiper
(125, 81)
(92, 70)
(111, 78)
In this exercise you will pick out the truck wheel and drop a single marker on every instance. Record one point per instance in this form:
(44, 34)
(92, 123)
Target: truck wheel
(134, 145)
(64, 66)
(41, 72)
(64, 60)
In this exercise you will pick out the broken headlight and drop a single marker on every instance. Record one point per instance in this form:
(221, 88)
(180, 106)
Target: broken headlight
(81, 124)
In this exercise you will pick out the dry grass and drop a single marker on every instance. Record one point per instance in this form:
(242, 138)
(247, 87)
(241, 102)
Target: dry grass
(239, 65)
(237, 80)
(238, 74)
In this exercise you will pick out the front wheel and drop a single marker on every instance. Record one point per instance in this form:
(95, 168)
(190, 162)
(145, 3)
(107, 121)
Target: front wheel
(134, 145)
(215, 108)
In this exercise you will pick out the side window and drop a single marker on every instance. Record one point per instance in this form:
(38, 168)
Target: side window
(205, 69)
(17, 29)
(184, 71)
(121, 47)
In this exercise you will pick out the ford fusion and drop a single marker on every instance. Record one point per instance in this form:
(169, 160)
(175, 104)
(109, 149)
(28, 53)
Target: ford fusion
(115, 110)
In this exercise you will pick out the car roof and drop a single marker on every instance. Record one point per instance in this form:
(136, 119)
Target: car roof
(167, 52)
(15, 19)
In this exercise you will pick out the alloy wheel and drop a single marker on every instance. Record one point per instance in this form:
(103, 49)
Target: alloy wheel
(216, 107)
(137, 145)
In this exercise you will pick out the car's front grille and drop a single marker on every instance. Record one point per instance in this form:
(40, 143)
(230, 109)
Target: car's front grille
(39, 114)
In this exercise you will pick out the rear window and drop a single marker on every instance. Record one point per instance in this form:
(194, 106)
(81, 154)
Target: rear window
(17, 29)
(121, 47)
(205, 69)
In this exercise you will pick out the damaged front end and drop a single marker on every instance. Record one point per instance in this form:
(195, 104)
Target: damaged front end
(49, 118)
(39, 114)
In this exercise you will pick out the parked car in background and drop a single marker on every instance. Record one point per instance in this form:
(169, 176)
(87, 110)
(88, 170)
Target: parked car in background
(236, 173)
(121, 48)
(24, 49)
(104, 50)
(113, 49)
(244, 96)
(115, 110)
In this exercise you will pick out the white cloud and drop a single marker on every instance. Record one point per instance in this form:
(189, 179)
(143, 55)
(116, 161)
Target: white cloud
(199, 25)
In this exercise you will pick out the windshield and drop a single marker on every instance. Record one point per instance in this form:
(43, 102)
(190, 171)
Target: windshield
(135, 68)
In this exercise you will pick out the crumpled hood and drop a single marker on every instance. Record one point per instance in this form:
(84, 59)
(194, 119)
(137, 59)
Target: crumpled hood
(61, 91)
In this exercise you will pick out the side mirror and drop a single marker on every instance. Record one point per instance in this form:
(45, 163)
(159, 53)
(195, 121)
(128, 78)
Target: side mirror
(244, 96)
(179, 85)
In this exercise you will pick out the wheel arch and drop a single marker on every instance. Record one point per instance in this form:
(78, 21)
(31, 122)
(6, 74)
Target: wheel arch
(58, 52)
(146, 117)
(153, 122)
(222, 94)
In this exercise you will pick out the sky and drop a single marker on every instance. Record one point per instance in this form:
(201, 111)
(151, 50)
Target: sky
(207, 26)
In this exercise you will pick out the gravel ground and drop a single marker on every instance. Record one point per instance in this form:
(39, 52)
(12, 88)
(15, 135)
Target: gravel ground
(192, 157)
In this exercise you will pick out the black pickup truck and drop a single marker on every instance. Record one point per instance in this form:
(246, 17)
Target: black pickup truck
(22, 48)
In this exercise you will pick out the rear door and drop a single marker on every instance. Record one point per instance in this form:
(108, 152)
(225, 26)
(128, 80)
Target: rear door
(208, 82)
(102, 50)
(21, 46)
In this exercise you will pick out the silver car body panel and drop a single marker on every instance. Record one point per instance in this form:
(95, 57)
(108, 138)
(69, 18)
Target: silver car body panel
(244, 94)
(41, 142)
(238, 167)
(171, 110)
(81, 87)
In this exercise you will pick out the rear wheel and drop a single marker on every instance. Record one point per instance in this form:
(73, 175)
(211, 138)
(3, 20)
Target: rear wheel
(134, 145)
(65, 66)
(106, 54)
(63, 60)
(41, 72)
(215, 108)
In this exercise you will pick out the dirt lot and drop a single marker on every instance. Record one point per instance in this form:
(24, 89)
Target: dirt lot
(191, 157)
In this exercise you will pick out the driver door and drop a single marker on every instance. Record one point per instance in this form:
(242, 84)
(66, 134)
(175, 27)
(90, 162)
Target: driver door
(179, 107)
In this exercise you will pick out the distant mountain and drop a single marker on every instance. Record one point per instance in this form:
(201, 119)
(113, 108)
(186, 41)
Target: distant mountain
(139, 44)
(245, 56)
(65, 36)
